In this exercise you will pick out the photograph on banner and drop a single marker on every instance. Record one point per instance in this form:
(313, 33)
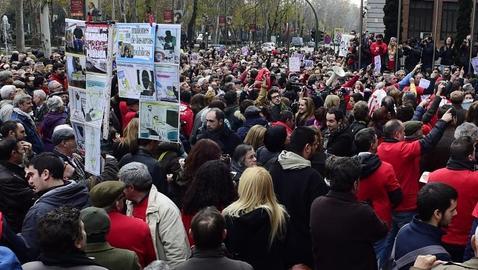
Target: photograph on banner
(159, 120)
(167, 82)
(135, 42)
(344, 44)
(77, 104)
(96, 43)
(92, 149)
(168, 43)
(75, 36)
(79, 129)
(95, 99)
(76, 70)
(136, 80)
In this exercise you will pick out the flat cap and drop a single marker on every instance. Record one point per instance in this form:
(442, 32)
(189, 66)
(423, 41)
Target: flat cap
(105, 193)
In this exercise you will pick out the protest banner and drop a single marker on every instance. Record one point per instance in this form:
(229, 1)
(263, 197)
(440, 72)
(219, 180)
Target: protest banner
(96, 43)
(474, 64)
(135, 42)
(344, 44)
(135, 80)
(167, 82)
(159, 120)
(75, 37)
(76, 70)
(92, 149)
(79, 129)
(377, 63)
(294, 64)
(168, 43)
(95, 99)
(77, 104)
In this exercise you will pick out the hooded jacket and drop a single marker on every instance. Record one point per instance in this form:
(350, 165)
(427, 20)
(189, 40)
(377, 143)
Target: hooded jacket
(248, 240)
(30, 129)
(378, 186)
(250, 122)
(70, 194)
(296, 185)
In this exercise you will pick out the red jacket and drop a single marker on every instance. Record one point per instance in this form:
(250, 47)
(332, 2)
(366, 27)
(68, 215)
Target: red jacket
(132, 234)
(374, 189)
(378, 49)
(187, 117)
(405, 158)
(465, 182)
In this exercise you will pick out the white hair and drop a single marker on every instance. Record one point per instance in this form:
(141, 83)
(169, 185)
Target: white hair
(39, 93)
(20, 98)
(467, 129)
(54, 103)
(7, 90)
(64, 126)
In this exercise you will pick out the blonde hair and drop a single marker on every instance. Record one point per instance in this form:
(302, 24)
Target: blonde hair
(255, 136)
(332, 101)
(130, 135)
(257, 191)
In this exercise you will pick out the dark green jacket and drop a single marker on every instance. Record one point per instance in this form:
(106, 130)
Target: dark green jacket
(112, 258)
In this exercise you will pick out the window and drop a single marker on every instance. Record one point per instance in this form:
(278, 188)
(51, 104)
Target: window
(448, 22)
(420, 18)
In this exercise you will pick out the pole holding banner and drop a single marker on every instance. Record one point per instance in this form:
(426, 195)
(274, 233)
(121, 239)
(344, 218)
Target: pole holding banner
(472, 41)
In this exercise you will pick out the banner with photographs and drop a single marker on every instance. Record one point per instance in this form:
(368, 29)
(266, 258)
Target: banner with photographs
(77, 104)
(96, 43)
(95, 99)
(75, 37)
(167, 82)
(76, 70)
(159, 120)
(178, 16)
(92, 149)
(79, 129)
(168, 43)
(135, 42)
(135, 80)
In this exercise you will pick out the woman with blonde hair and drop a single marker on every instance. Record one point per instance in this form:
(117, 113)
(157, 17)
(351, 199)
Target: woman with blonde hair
(305, 115)
(392, 51)
(255, 136)
(129, 142)
(256, 222)
(332, 101)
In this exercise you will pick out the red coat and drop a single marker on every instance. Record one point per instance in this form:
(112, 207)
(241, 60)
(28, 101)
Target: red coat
(404, 156)
(375, 188)
(378, 49)
(132, 234)
(187, 117)
(466, 184)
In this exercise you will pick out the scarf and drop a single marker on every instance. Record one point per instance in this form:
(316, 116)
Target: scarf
(70, 259)
(292, 161)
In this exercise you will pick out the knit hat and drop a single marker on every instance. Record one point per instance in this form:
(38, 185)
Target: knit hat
(96, 220)
(105, 193)
(411, 127)
(61, 133)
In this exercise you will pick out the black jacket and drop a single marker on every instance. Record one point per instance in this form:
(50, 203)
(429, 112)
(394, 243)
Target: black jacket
(343, 232)
(16, 197)
(143, 156)
(248, 240)
(224, 137)
(340, 143)
(296, 190)
(212, 259)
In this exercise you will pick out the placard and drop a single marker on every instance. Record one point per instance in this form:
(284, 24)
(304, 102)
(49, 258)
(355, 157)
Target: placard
(294, 64)
(95, 99)
(135, 80)
(92, 150)
(167, 82)
(168, 43)
(159, 120)
(77, 104)
(135, 42)
(75, 37)
(76, 70)
(96, 43)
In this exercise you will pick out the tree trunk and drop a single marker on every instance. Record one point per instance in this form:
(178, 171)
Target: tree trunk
(45, 29)
(20, 33)
(191, 24)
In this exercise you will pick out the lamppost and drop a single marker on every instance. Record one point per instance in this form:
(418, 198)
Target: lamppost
(316, 25)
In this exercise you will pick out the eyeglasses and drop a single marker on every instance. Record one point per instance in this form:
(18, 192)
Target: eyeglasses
(274, 97)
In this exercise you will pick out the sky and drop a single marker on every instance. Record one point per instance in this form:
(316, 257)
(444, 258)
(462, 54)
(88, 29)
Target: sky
(356, 2)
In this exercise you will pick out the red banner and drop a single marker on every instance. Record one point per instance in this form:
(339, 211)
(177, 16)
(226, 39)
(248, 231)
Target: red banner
(222, 21)
(168, 16)
(77, 8)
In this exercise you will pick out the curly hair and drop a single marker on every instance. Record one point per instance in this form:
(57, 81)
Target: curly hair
(212, 186)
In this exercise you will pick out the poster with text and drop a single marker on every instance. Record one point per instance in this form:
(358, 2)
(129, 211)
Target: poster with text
(92, 149)
(344, 44)
(136, 80)
(135, 42)
(75, 36)
(159, 120)
(77, 104)
(168, 43)
(95, 99)
(79, 129)
(167, 82)
(76, 70)
(294, 64)
(96, 43)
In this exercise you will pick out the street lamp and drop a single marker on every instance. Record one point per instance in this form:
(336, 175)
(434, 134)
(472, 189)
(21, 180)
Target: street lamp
(316, 26)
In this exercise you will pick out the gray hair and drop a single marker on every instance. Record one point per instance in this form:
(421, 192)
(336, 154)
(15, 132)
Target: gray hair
(157, 265)
(39, 93)
(20, 98)
(7, 90)
(467, 129)
(136, 174)
(54, 104)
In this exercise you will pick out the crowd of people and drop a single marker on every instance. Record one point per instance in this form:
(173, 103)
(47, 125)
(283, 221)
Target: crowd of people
(315, 169)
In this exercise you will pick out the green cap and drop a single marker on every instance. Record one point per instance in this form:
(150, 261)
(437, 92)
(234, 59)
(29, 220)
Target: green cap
(96, 220)
(106, 193)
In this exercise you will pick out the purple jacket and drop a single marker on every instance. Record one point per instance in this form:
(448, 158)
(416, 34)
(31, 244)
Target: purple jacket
(50, 121)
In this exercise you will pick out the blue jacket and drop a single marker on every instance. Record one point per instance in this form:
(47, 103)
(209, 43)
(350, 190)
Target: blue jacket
(71, 194)
(415, 235)
(30, 131)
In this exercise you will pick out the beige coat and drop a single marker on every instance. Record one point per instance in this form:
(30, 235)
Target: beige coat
(167, 230)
